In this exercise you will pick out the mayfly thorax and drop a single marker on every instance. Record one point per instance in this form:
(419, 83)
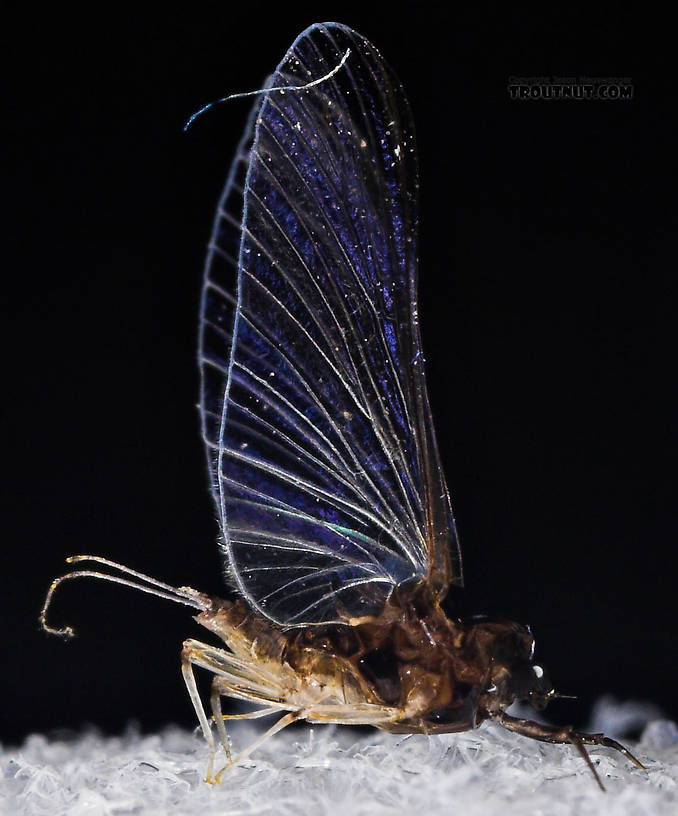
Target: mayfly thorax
(336, 526)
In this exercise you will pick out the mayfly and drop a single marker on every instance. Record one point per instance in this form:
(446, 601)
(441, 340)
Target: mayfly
(336, 526)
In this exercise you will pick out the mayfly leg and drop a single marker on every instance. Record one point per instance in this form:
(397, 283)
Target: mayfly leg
(563, 735)
(220, 689)
(283, 722)
(218, 716)
(356, 714)
(189, 678)
(360, 714)
(234, 679)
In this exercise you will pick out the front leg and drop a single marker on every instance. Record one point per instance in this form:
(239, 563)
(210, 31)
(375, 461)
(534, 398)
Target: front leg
(563, 735)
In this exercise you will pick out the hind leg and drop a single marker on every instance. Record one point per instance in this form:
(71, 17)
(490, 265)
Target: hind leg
(234, 678)
(219, 689)
(189, 679)
(283, 722)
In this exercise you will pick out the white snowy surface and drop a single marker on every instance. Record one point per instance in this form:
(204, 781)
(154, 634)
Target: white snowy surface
(330, 769)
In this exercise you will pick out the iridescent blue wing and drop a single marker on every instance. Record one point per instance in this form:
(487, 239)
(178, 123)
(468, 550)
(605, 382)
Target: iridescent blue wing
(321, 448)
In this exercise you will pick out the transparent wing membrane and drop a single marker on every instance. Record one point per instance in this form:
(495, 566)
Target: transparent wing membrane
(319, 438)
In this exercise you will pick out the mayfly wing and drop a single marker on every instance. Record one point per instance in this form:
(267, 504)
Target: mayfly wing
(321, 448)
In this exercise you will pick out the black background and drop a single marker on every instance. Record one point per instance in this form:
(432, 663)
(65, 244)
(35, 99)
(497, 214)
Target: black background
(548, 294)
